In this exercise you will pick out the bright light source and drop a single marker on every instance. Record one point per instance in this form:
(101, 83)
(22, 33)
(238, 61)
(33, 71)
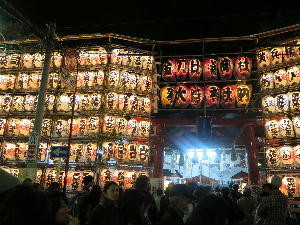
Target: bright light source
(200, 154)
(190, 154)
(211, 154)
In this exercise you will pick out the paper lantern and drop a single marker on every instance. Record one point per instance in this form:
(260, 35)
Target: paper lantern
(225, 68)
(169, 70)
(27, 60)
(25, 127)
(76, 153)
(80, 79)
(146, 83)
(111, 101)
(133, 103)
(49, 102)
(282, 103)
(34, 81)
(197, 96)
(98, 79)
(83, 58)
(132, 152)
(297, 154)
(267, 81)
(143, 152)
(123, 101)
(293, 74)
(109, 123)
(64, 103)
(18, 103)
(242, 67)
(145, 105)
(289, 54)
(167, 96)
(183, 96)
(4, 61)
(210, 69)
(228, 96)
(46, 127)
(113, 79)
(144, 128)
(133, 81)
(276, 56)
(103, 55)
(115, 58)
(41, 156)
(57, 60)
(121, 126)
(94, 58)
(84, 102)
(125, 57)
(195, 70)
(124, 80)
(23, 80)
(20, 151)
(76, 180)
(148, 62)
(263, 58)
(280, 78)
(273, 157)
(14, 61)
(183, 69)
(119, 177)
(90, 152)
(243, 94)
(286, 154)
(93, 125)
(130, 178)
(105, 176)
(121, 151)
(291, 186)
(38, 60)
(286, 129)
(132, 127)
(272, 129)
(6, 102)
(8, 151)
(30, 102)
(296, 124)
(108, 149)
(137, 60)
(212, 94)
(50, 177)
(2, 125)
(268, 104)
(7, 82)
(61, 128)
(82, 124)
(13, 127)
(95, 101)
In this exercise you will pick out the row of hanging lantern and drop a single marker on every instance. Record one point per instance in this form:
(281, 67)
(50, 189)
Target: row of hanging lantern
(283, 128)
(12, 171)
(290, 185)
(124, 178)
(271, 57)
(126, 152)
(281, 78)
(283, 156)
(196, 96)
(282, 103)
(225, 68)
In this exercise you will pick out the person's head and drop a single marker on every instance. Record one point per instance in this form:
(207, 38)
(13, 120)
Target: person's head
(235, 187)
(142, 183)
(27, 182)
(201, 192)
(54, 186)
(88, 181)
(180, 196)
(59, 207)
(7, 181)
(276, 182)
(267, 188)
(247, 192)
(192, 186)
(111, 191)
(225, 192)
(159, 192)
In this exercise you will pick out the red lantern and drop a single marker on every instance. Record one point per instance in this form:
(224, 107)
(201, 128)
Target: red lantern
(228, 94)
(210, 69)
(212, 95)
(243, 67)
(195, 69)
(183, 96)
(169, 70)
(225, 67)
(183, 66)
(197, 96)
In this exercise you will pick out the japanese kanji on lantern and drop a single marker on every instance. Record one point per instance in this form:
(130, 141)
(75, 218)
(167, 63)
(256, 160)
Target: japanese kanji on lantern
(7, 82)
(27, 60)
(197, 96)
(210, 69)
(286, 155)
(225, 68)
(183, 69)
(121, 126)
(212, 95)
(280, 78)
(242, 68)
(276, 55)
(57, 60)
(268, 105)
(297, 154)
(109, 123)
(296, 123)
(132, 152)
(243, 93)
(293, 74)
(183, 96)
(289, 54)
(113, 79)
(108, 149)
(263, 58)
(228, 96)
(290, 186)
(286, 129)
(124, 80)
(267, 81)
(273, 157)
(169, 70)
(272, 129)
(111, 102)
(282, 103)
(167, 96)
(195, 70)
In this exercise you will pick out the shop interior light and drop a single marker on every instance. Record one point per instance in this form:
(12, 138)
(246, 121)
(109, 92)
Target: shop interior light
(211, 154)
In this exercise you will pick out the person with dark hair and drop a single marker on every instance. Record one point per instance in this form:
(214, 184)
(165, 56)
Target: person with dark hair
(83, 200)
(27, 182)
(94, 199)
(266, 191)
(159, 194)
(23, 205)
(59, 207)
(235, 195)
(164, 202)
(106, 212)
(247, 204)
(54, 186)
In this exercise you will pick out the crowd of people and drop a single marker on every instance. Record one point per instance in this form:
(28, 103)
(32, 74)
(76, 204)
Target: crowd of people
(190, 204)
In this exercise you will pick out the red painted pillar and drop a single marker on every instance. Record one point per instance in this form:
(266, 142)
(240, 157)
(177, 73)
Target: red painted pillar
(250, 141)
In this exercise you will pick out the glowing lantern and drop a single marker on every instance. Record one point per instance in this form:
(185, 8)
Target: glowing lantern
(297, 154)
(119, 177)
(93, 123)
(108, 149)
(76, 180)
(109, 124)
(296, 123)
(84, 102)
(13, 127)
(286, 153)
(130, 178)
(228, 96)
(80, 79)
(105, 176)
(272, 129)
(132, 127)
(38, 60)
(148, 62)
(111, 101)
(263, 58)
(143, 152)
(46, 127)
(286, 128)
(289, 54)
(169, 70)
(8, 151)
(125, 57)
(83, 58)
(94, 58)
(121, 126)
(210, 69)
(225, 68)
(146, 83)
(124, 102)
(144, 128)
(243, 94)
(133, 81)
(115, 58)
(137, 60)
(50, 177)
(272, 155)
(81, 126)
(20, 151)
(49, 102)
(183, 68)
(132, 152)
(99, 78)
(25, 126)
(280, 78)
(61, 128)
(282, 103)
(95, 101)
(23, 80)
(291, 186)
(167, 96)
(124, 80)
(57, 60)
(30, 103)
(89, 79)
(197, 96)
(14, 61)
(268, 104)
(103, 55)
(242, 68)
(121, 151)
(4, 61)
(27, 60)
(183, 96)
(267, 81)
(63, 103)
(7, 82)
(6, 101)
(90, 152)
(34, 81)
(293, 74)
(42, 151)
(294, 99)
(113, 79)
(18, 103)
(76, 153)
(2, 125)
(133, 103)
(195, 70)
(212, 94)
(145, 105)
(276, 56)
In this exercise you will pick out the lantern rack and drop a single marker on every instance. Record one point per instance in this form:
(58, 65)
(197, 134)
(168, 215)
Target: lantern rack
(277, 67)
(284, 114)
(209, 81)
(211, 109)
(280, 90)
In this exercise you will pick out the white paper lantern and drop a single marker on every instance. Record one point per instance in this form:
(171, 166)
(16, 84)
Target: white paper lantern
(123, 100)
(25, 127)
(99, 78)
(282, 103)
(267, 81)
(115, 57)
(7, 82)
(103, 55)
(63, 103)
(9, 151)
(111, 101)
(268, 105)
(272, 129)
(13, 128)
(290, 186)
(23, 80)
(105, 176)
(38, 60)
(49, 102)
(281, 78)
(289, 54)
(57, 59)
(145, 105)
(144, 128)
(286, 154)
(76, 180)
(148, 62)
(146, 83)
(81, 127)
(294, 100)
(93, 125)
(121, 151)
(80, 79)
(50, 177)
(77, 153)
(90, 152)
(113, 79)
(42, 151)
(125, 57)
(18, 103)
(34, 81)
(27, 60)
(297, 155)
(273, 157)
(137, 60)
(94, 58)
(95, 103)
(108, 149)
(132, 152)
(20, 151)
(124, 80)
(84, 102)
(134, 81)
(144, 152)
(132, 127)
(121, 126)
(130, 178)
(30, 103)
(296, 124)
(46, 127)
(276, 56)
(119, 177)
(14, 61)
(83, 58)
(109, 124)
(133, 103)
(6, 102)
(286, 129)
(61, 128)
(2, 125)
(293, 75)
(263, 58)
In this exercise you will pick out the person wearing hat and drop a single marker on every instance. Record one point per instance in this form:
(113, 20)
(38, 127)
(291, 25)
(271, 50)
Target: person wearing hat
(179, 198)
